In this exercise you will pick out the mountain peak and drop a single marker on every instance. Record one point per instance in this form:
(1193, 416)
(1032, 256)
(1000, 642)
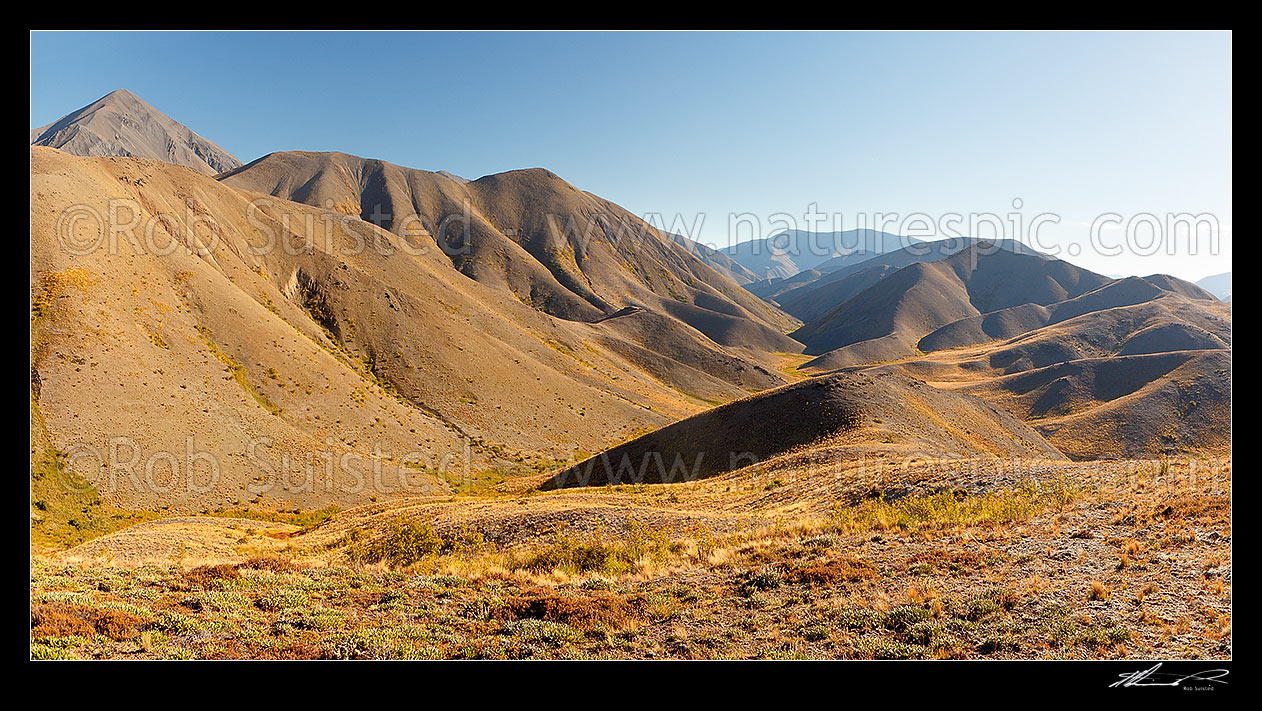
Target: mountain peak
(122, 124)
(120, 94)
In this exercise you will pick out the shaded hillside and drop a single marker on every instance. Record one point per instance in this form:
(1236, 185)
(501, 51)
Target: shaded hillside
(263, 324)
(886, 320)
(1127, 406)
(810, 295)
(1179, 286)
(850, 414)
(1001, 324)
(530, 234)
(1130, 291)
(716, 259)
(121, 124)
(811, 303)
(1168, 323)
(769, 289)
(1135, 380)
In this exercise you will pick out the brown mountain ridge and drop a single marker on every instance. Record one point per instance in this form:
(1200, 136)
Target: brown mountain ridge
(122, 124)
(281, 326)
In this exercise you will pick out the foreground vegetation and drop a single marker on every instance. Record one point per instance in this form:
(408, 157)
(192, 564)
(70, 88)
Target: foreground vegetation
(1055, 569)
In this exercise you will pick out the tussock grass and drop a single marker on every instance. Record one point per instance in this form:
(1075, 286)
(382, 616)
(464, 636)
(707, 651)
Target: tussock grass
(830, 573)
(410, 542)
(415, 544)
(597, 553)
(800, 585)
(945, 510)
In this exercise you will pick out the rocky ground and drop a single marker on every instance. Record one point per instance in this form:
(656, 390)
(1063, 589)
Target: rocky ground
(970, 559)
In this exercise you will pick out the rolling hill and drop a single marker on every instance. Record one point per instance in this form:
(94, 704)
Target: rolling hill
(311, 302)
(844, 416)
(812, 293)
(717, 259)
(1125, 406)
(264, 330)
(1127, 370)
(529, 233)
(1126, 292)
(887, 319)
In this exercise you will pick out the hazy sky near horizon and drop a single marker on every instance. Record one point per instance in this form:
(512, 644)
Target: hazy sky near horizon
(709, 126)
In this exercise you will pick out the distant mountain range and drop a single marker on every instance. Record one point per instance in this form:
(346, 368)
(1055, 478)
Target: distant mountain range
(555, 320)
(809, 294)
(1219, 285)
(787, 253)
(894, 307)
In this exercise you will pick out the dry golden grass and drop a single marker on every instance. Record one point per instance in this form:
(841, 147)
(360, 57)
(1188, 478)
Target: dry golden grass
(1098, 591)
(830, 573)
(722, 568)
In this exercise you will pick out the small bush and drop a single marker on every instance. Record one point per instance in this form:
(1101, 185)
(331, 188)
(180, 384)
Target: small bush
(1060, 633)
(833, 572)
(275, 600)
(175, 623)
(66, 620)
(408, 542)
(946, 509)
(766, 579)
(218, 600)
(545, 632)
(858, 618)
(598, 584)
(980, 608)
(660, 606)
(586, 612)
(816, 633)
(598, 553)
(49, 652)
(900, 618)
(274, 563)
(320, 618)
(1102, 636)
(208, 575)
(937, 637)
(877, 648)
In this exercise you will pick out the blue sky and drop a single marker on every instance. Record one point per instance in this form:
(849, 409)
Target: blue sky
(723, 124)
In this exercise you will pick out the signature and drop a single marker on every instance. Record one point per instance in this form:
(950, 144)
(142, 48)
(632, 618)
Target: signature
(1152, 677)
